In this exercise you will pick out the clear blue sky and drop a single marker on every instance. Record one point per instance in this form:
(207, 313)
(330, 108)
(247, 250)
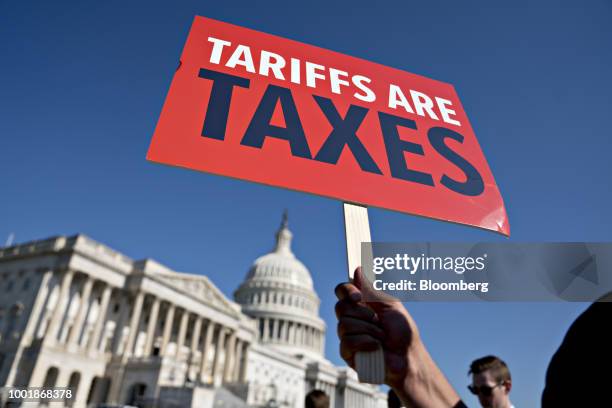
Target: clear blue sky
(82, 85)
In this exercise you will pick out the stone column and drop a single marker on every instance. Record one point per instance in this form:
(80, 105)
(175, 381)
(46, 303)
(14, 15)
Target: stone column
(210, 329)
(192, 363)
(167, 329)
(123, 316)
(151, 326)
(287, 326)
(229, 357)
(216, 371)
(195, 336)
(182, 333)
(94, 340)
(266, 329)
(80, 398)
(275, 330)
(60, 308)
(291, 332)
(244, 363)
(79, 319)
(134, 324)
(237, 361)
(322, 342)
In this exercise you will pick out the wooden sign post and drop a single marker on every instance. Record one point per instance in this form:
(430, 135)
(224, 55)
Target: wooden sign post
(370, 366)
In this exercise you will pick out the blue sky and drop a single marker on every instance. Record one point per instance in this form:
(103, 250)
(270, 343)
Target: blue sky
(82, 85)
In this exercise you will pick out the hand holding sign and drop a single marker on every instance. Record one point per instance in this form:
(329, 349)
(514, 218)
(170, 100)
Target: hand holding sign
(364, 326)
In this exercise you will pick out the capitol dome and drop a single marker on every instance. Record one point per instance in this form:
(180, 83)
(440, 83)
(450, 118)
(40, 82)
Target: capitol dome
(278, 293)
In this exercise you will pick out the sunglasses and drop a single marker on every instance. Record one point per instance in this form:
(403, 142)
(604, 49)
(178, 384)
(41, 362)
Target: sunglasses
(484, 390)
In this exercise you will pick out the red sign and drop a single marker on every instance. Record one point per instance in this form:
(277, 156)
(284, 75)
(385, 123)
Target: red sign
(257, 107)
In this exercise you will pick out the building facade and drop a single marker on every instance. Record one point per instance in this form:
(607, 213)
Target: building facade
(75, 313)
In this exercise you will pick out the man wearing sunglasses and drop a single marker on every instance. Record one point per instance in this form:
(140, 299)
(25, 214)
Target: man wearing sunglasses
(491, 382)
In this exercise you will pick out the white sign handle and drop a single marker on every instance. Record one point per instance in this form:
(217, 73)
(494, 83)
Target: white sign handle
(370, 366)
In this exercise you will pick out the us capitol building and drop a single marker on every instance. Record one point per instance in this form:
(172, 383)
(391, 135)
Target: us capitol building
(76, 313)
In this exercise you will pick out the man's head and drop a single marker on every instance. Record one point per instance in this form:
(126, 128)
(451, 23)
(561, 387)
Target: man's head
(317, 399)
(491, 381)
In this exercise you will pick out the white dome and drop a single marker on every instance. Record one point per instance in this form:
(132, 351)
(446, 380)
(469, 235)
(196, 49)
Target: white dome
(280, 267)
(279, 293)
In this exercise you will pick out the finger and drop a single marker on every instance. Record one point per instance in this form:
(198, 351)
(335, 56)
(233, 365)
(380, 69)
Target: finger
(376, 299)
(348, 356)
(346, 308)
(348, 326)
(356, 343)
(348, 291)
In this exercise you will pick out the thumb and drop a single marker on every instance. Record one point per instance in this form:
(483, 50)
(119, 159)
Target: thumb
(375, 299)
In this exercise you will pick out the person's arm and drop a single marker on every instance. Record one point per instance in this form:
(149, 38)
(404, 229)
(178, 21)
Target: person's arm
(367, 319)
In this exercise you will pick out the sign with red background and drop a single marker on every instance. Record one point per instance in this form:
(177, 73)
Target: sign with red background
(258, 107)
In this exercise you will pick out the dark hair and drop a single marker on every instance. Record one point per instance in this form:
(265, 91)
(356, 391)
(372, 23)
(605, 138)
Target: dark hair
(317, 399)
(499, 369)
(393, 400)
